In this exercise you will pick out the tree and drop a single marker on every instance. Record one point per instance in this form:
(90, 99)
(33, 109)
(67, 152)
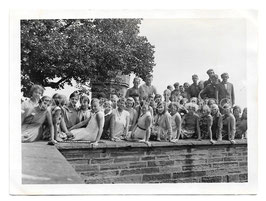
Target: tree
(82, 50)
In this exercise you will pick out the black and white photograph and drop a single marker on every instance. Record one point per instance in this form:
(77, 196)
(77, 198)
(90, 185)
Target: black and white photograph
(139, 101)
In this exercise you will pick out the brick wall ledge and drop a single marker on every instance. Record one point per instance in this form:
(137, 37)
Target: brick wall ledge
(128, 144)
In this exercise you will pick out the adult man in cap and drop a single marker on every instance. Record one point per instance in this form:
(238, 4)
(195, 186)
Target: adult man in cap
(193, 90)
(133, 91)
(147, 88)
(226, 89)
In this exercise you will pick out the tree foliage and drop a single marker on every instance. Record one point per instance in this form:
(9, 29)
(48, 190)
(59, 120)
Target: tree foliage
(82, 50)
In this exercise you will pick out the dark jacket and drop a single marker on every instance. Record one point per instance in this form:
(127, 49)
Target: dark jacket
(226, 93)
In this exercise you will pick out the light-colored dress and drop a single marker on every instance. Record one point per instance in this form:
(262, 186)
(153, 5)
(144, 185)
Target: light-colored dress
(141, 129)
(83, 115)
(175, 127)
(26, 108)
(31, 128)
(132, 114)
(120, 121)
(91, 131)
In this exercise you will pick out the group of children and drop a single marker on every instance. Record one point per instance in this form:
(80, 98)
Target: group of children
(152, 117)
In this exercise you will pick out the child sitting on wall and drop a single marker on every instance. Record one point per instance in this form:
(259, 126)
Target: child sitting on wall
(205, 124)
(190, 123)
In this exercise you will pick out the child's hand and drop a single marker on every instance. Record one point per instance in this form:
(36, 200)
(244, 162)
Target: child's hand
(94, 144)
(233, 142)
(199, 139)
(212, 141)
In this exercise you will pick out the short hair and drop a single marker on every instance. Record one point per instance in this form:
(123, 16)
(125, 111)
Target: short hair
(195, 76)
(167, 90)
(224, 74)
(136, 78)
(192, 106)
(226, 106)
(215, 106)
(45, 97)
(84, 97)
(101, 95)
(95, 100)
(176, 104)
(74, 94)
(56, 94)
(131, 99)
(215, 76)
(36, 87)
(236, 107)
(176, 84)
(161, 104)
(207, 108)
(107, 102)
(208, 71)
(63, 99)
(121, 100)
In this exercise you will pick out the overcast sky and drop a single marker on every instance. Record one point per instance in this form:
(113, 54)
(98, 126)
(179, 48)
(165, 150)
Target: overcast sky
(191, 46)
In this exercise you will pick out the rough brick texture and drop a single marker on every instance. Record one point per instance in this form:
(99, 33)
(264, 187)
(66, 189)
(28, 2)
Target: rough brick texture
(163, 164)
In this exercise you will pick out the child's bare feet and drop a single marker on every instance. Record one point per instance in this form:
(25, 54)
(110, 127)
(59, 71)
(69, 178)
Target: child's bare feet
(212, 141)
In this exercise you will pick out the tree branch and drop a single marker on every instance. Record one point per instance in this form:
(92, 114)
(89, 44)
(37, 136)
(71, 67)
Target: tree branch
(55, 84)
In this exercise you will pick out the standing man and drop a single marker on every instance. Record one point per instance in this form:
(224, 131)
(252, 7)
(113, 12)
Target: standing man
(134, 91)
(193, 90)
(210, 73)
(226, 89)
(147, 88)
(211, 90)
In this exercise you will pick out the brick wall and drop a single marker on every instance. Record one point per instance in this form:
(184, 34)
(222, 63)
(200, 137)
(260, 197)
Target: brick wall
(166, 163)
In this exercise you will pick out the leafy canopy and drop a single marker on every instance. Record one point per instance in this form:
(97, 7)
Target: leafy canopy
(82, 50)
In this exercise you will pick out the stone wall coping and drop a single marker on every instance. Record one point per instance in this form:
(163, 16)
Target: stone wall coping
(128, 144)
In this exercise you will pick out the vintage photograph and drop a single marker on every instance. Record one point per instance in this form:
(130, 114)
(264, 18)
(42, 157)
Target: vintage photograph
(135, 100)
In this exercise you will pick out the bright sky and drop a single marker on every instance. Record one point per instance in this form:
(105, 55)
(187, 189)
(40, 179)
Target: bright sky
(184, 47)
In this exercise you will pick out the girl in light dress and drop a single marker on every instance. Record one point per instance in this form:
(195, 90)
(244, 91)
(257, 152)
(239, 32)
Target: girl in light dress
(132, 113)
(119, 121)
(84, 112)
(33, 120)
(175, 121)
(27, 106)
(162, 127)
(94, 125)
(142, 129)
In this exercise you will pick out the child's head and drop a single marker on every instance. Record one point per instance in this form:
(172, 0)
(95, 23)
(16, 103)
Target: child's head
(186, 86)
(136, 99)
(114, 99)
(73, 98)
(130, 102)
(194, 100)
(136, 81)
(84, 102)
(201, 84)
(56, 112)
(214, 109)
(170, 87)
(174, 106)
(36, 92)
(56, 99)
(44, 102)
(107, 106)
(158, 98)
(211, 101)
(62, 100)
(236, 111)
(166, 94)
(144, 106)
(161, 108)
(206, 110)
(95, 105)
(195, 78)
(176, 86)
(121, 103)
(191, 107)
(227, 108)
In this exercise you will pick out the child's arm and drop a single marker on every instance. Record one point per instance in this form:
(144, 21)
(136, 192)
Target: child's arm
(100, 123)
(169, 126)
(134, 119)
(220, 127)
(232, 127)
(127, 125)
(80, 124)
(50, 123)
(148, 122)
(209, 123)
(178, 124)
(198, 128)
(112, 125)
